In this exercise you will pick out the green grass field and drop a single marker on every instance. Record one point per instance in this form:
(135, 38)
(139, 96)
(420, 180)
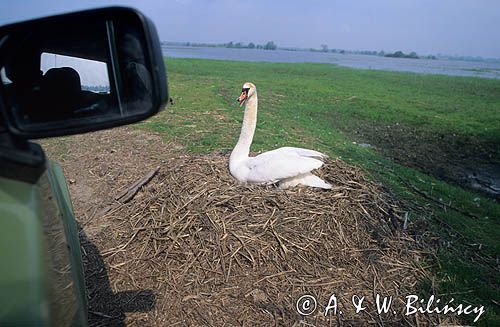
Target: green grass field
(324, 107)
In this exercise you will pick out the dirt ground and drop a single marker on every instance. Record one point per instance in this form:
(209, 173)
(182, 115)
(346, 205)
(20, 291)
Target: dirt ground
(465, 161)
(194, 248)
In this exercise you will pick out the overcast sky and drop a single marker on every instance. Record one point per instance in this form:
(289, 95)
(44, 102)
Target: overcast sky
(455, 27)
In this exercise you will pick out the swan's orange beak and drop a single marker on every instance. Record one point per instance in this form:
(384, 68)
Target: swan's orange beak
(242, 98)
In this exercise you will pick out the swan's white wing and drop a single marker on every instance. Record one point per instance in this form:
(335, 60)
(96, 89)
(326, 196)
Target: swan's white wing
(272, 166)
(302, 152)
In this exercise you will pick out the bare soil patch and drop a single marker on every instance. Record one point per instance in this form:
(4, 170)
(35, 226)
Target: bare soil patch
(195, 248)
(462, 160)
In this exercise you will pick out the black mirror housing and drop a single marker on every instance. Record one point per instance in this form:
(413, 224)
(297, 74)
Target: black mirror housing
(80, 72)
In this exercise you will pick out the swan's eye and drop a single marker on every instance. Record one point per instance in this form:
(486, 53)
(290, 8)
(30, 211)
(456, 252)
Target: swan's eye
(245, 90)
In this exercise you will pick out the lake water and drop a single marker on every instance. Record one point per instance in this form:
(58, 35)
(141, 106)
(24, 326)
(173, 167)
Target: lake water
(425, 66)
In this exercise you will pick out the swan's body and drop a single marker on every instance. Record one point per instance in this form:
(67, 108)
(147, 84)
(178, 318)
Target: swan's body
(287, 166)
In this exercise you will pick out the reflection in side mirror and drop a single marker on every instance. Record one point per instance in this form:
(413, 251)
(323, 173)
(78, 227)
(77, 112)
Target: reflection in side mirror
(79, 72)
(93, 74)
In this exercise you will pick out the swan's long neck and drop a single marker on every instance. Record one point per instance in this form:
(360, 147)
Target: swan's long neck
(242, 148)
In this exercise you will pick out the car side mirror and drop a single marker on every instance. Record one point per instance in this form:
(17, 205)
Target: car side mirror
(80, 72)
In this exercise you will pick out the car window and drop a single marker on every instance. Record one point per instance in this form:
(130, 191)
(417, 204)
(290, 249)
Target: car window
(93, 74)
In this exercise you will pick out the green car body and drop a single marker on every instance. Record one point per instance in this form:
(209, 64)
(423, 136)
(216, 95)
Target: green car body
(41, 278)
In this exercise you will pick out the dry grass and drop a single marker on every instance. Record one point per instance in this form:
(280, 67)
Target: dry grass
(215, 252)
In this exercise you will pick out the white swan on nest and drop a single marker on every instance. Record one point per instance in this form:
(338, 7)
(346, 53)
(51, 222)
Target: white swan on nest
(286, 166)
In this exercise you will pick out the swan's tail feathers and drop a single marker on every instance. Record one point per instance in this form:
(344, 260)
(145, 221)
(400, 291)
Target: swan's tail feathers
(315, 181)
(307, 179)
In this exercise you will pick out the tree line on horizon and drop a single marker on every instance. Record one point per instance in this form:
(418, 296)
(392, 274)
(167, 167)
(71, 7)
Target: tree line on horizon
(381, 53)
(270, 45)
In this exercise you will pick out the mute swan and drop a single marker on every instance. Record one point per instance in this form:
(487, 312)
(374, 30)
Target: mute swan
(287, 166)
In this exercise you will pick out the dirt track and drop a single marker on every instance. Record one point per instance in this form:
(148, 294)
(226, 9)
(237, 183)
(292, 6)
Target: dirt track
(195, 248)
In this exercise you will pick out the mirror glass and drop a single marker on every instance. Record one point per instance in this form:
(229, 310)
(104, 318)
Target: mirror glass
(60, 74)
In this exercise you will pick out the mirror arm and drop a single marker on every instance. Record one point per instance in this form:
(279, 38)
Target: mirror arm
(8, 140)
(16, 152)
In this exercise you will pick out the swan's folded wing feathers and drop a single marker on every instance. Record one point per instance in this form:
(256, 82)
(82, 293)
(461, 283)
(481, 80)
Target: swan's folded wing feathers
(302, 152)
(272, 166)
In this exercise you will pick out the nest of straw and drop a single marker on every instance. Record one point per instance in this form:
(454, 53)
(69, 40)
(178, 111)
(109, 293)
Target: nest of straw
(216, 252)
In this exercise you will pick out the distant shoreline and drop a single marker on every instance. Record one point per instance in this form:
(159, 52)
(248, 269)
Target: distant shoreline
(271, 47)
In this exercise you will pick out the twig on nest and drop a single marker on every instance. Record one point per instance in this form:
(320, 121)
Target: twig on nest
(129, 193)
